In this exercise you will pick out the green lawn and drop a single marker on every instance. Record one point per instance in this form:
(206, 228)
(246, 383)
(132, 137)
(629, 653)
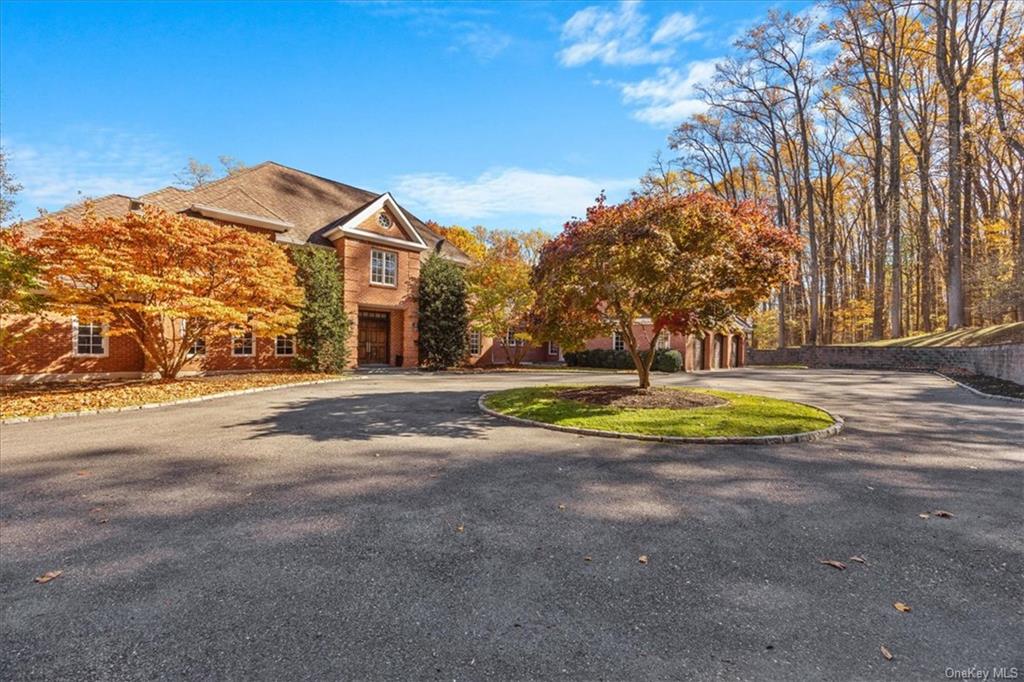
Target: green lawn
(745, 415)
(1011, 332)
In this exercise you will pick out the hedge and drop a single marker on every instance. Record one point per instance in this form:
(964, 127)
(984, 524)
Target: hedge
(664, 360)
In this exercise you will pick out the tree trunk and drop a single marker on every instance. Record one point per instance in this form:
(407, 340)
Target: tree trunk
(967, 166)
(782, 316)
(954, 233)
(812, 231)
(925, 239)
(880, 236)
(896, 303)
(644, 375)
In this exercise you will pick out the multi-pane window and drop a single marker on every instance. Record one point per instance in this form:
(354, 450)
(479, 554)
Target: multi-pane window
(664, 340)
(552, 348)
(474, 342)
(242, 345)
(284, 345)
(383, 267)
(511, 340)
(617, 341)
(198, 346)
(89, 338)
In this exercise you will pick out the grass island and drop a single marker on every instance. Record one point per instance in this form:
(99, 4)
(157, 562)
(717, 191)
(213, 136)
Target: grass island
(663, 411)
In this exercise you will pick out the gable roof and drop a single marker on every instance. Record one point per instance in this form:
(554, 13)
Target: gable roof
(307, 206)
(351, 225)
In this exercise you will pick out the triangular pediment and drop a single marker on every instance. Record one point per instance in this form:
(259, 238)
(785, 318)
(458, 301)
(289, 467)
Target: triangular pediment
(382, 221)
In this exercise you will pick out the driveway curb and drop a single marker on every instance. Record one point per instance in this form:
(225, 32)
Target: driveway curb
(990, 396)
(183, 401)
(804, 437)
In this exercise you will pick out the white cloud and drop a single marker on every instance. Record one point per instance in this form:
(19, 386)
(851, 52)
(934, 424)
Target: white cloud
(670, 96)
(677, 26)
(87, 162)
(483, 41)
(504, 192)
(610, 36)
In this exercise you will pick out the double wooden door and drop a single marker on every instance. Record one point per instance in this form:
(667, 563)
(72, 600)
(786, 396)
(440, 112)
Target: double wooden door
(374, 337)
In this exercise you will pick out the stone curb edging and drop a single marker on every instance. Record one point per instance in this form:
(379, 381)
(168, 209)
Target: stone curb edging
(804, 437)
(182, 401)
(990, 396)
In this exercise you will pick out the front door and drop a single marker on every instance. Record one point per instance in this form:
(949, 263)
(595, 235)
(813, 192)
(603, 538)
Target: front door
(374, 330)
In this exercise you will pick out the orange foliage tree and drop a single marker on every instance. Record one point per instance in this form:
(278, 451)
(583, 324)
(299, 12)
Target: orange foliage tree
(687, 263)
(167, 280)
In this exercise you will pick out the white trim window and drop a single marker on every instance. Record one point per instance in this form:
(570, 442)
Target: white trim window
(475, 342)
(89, 338)
(664, 341)
(553, 348)
(197, 347)
(511, 340)
(618, 343)
(243, 345)
(383, 267)
(284, 345)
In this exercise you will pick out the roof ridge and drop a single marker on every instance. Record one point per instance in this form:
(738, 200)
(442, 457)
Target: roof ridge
(230, 176)
(163, 189)
(376, 195)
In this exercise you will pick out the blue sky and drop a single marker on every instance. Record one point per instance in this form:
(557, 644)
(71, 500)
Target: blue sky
(509, 115)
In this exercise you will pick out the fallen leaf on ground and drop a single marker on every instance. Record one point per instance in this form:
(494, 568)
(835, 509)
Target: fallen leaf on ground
(459, 528)
(834, 564)
(942, 514)
(29, 400)
(643, 559)
(886, 654)
(923, 516)
(859, 560)
(48, 576)
(900, 606)
(587, 558)
(561, 506)
(84, 473)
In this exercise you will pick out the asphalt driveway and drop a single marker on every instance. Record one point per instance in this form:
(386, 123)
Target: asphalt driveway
(384, 528)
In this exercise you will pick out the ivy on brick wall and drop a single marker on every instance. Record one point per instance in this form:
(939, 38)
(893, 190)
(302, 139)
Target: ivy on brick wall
(323, 330)
(444, 320)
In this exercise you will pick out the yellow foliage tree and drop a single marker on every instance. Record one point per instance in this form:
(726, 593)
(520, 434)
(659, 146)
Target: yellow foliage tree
(167, 280)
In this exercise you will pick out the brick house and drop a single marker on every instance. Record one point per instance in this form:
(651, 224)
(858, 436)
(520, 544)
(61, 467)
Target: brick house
(379, 246)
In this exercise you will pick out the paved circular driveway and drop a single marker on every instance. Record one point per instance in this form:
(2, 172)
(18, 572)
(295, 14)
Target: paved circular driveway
(384, 528)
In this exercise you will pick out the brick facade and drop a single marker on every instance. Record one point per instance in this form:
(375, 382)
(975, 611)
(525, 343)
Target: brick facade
(397, 301)
(48, 349)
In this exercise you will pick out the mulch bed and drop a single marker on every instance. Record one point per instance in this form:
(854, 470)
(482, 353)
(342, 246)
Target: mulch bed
(634, 398)
(32, 400)
(989, 385)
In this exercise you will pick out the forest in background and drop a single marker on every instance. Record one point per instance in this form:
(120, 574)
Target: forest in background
(890, 135)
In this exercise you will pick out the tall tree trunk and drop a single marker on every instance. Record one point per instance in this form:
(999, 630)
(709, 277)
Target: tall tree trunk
(896, 303)
(925, 239)
(880, 235)
(954, 232)
(812, 231)
(780, 219)
(967, 164)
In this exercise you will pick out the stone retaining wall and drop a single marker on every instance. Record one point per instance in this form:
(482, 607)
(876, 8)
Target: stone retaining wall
(1004, 361)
